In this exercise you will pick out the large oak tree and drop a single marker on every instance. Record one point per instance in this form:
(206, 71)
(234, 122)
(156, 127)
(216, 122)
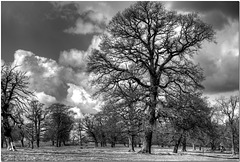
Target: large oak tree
(154, 47)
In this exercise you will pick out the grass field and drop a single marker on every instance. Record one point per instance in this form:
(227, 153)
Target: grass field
(119, 153)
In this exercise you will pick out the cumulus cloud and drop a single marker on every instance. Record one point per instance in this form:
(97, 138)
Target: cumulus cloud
(78, 112)
(73, 58)
(65, 81)
(43, 72)
(44, 98)
(77, 59)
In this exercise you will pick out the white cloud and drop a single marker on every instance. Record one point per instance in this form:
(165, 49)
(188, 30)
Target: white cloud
(73, 58)
(44, 98)
(53, 82)
(78, 112)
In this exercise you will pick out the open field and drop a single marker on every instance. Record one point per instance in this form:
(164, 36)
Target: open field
(119, 153)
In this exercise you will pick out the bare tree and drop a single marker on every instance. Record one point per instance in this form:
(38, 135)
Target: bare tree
(153, 47)
(126, 101)
(60, 123)
(36, 114)
(229, 108)
(14, 96)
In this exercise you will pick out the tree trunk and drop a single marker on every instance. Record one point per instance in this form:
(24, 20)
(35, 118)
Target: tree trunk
(194, 146)
(177, 143)
(38, 142)
(233, 141)
(22, 142)
(200, 147)
(131, 143)
(38, 131)
(213, 147)
(8, 133)
(32, 144)
(150, 116)
(96, 144)
(147, 141)
(52, 142)
(184, 143)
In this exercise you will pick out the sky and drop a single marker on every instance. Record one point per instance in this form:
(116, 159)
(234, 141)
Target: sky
(51, 40)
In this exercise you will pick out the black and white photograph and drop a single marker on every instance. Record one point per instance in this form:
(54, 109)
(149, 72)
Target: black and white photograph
(120, 81)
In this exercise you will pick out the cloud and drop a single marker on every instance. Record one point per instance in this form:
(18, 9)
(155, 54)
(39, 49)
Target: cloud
(65, 81)
(44, 98)
(73, 58)
(218, 14)
(77, 59)
(78, 112)
(2, 62)
(43, 72)
(89, 17)
(220, 61)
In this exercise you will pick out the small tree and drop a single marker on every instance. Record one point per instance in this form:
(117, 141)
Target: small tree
(60, 123)
(91, 127)
(14, 97)
(187, 113)
(229, 108)
(36, 114)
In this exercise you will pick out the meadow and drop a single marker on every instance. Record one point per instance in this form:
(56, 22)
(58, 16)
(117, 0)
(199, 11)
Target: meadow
(119, 153)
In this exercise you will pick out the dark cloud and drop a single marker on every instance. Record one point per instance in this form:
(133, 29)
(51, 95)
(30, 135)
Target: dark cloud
(224, 76)
(34, 27)
(228, 8)
(216, 13)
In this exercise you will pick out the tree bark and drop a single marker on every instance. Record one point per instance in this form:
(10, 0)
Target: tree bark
(22, 142)
(177, 143)
(8, 133)
(147, 141)
(194, 146)
(184, 143)
(38, 132)
(131, 143)
(233, 140)
(32, 144)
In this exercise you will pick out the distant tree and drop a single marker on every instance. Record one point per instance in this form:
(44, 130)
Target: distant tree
(78, 130)
(153, 47)
(124, 105)
(229, 108)
(60, 123)
(187, 113)
(91, 127)
(14, 97)
(36, 114)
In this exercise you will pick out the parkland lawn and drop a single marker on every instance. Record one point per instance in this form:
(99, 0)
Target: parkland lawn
(119, 153)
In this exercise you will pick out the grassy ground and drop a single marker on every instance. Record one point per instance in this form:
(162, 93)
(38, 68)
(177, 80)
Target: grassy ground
(119, 153)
